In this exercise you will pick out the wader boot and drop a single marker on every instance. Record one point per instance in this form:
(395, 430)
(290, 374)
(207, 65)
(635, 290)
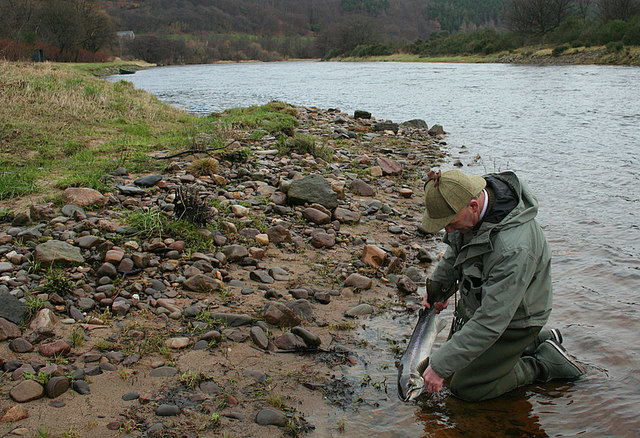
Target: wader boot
(553, 362)
(553, 334)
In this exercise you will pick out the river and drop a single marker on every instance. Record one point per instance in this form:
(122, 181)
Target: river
(573, 134)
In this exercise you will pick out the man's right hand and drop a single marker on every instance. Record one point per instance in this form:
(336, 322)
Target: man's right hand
(434, 288)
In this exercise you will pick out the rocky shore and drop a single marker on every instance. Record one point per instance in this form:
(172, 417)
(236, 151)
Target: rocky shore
(114, 323)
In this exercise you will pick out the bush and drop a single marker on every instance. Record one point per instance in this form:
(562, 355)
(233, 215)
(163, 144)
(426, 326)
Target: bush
(611, 31)
(614, 46)
(632, 32)
(558, 50)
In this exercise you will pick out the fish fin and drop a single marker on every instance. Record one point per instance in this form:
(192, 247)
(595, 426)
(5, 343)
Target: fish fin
(423, 365)
(441, 324)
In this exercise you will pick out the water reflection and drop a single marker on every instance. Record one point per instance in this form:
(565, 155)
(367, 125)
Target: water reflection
(509, 416)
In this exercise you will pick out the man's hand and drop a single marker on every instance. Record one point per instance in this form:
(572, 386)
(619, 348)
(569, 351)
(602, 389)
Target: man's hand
(439, 306)
(432, 381)
(434, 288)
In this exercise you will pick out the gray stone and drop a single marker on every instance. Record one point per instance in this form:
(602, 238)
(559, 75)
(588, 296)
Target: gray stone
(201, 283)
(107, 270)
(11, 308)
(346, 216)
(316, 216)
(259, 337)
(148, 181)
(358, 281)
(267, 417)
(322, 297)
(279, 274)
(436, 130)
(200, 345)
(278, 234)
(235, 252)
(121, 307)
(81, 387)
(361, 188)
(321, 239)
(166, 410)
(389, 167)
(313, 188)
(70, 210)
(26, 391)
(131, 191)
(289, 342)
(416, 124)
(386, 126)
(311, 339)
(76, 314)
(5, 267)
(20, 345)
(261, 276)
(86, 242)
(302, 309)
(278, 314)
(163, 372)
(56, 252)
(56, 386)
(129, 396)
(8, 330)
(359, 310)
(406, 286)
(86, 304)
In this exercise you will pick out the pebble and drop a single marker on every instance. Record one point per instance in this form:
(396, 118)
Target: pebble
(131, 396)
(267, 417)
(167, 410)
(359, 310)
(163, 371)
(14, 414)
(56, 386)
(259, 337)
(26, 391)
(81, 387)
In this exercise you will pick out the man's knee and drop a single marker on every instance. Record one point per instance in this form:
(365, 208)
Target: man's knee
(466, 392)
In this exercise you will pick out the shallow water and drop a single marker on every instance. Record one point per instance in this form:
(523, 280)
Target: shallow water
(571, 132)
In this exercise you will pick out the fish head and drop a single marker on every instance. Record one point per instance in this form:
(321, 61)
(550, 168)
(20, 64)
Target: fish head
(410, 386)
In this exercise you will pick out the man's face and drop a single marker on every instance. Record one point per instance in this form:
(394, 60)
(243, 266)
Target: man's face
(465, 220)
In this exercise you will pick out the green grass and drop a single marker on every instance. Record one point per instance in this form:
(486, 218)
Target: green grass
(274, 117)
(61, 126)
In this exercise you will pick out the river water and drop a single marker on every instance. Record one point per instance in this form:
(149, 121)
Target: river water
(573, 134)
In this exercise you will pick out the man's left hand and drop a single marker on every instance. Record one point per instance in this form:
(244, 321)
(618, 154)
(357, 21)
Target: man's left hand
(432, 381)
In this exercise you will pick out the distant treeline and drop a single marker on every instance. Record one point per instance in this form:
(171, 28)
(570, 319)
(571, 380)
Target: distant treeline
(201, 31)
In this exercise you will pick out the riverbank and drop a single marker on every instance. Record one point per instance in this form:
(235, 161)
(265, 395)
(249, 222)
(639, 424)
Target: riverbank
(215, 293)
(598, 55)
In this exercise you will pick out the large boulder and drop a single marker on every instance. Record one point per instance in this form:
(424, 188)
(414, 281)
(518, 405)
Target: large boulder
(313, 189)
(57, 252)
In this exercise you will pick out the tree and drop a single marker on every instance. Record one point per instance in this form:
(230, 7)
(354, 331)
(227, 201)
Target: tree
(537, 16)
(583, 7)
(96, 25)
(617, 9)
(15, 17)
(60, 25)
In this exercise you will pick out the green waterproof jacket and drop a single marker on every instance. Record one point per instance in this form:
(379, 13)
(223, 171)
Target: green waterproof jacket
(504, 275)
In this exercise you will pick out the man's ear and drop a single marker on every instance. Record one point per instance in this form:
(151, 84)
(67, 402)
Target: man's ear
(475, 205)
